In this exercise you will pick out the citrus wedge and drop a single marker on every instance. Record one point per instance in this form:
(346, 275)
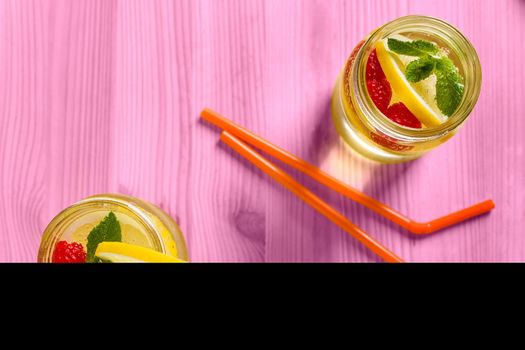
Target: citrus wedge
(118, 252)
(402, 87)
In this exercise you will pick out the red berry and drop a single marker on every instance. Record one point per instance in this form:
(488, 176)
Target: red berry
(378, 86)
(380, 93)
(373, 67)
(400, 114)
(69, 253)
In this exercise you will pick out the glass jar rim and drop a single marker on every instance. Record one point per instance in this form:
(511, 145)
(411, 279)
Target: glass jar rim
(456, 41)
(82, 207)
(116, 199)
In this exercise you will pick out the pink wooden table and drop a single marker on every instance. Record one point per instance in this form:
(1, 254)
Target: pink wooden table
(104, 96)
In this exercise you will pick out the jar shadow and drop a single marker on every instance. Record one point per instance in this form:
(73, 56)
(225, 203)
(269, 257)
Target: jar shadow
(383, 183)
(325, 140)
(379, 181)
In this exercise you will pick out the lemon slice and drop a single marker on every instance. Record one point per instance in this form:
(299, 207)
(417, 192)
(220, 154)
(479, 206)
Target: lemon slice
(118, 252)
(117, 258)
(402, 87)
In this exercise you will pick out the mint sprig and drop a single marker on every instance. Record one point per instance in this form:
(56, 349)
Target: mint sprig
(449, 84)
(108, 230)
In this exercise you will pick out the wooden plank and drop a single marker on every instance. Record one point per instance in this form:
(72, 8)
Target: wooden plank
(104, 96)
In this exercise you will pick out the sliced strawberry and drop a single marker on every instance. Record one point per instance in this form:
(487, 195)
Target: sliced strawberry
(380, 93)
(378, 86)
(400, 114)
(373, 67)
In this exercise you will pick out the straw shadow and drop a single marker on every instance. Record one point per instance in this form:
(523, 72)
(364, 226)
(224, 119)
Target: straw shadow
(325, 139)
(225, 148)
(382, 182)
(299, 176)
(324, 135)
(319, 220)
(243, 161)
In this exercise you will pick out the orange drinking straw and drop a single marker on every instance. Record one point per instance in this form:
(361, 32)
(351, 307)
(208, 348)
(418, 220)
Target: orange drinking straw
(308, 197)
(418, 228)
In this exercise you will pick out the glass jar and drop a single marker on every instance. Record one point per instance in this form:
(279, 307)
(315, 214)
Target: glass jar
(369, 131)
(142, 224)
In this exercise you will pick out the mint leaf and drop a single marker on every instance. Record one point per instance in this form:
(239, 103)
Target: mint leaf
(108, 230)
(425, 46)
(402, 47)
(418, 48)
(419, 69)
(449, 86)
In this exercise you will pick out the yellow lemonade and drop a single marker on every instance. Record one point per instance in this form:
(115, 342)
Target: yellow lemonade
(406, 89)
(136, 223)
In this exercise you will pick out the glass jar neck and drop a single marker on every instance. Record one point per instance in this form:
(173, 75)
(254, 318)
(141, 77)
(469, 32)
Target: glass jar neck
(466, 56)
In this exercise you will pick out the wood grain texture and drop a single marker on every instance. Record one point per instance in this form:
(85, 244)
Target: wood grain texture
(104, 96)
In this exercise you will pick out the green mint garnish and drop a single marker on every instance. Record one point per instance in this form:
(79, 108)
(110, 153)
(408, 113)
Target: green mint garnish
(449, 84)
(418, 48)
(108, 230)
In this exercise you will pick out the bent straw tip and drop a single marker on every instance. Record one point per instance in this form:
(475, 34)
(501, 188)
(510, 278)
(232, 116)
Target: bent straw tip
(488, 204)
(206, 112)
(213, 117)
